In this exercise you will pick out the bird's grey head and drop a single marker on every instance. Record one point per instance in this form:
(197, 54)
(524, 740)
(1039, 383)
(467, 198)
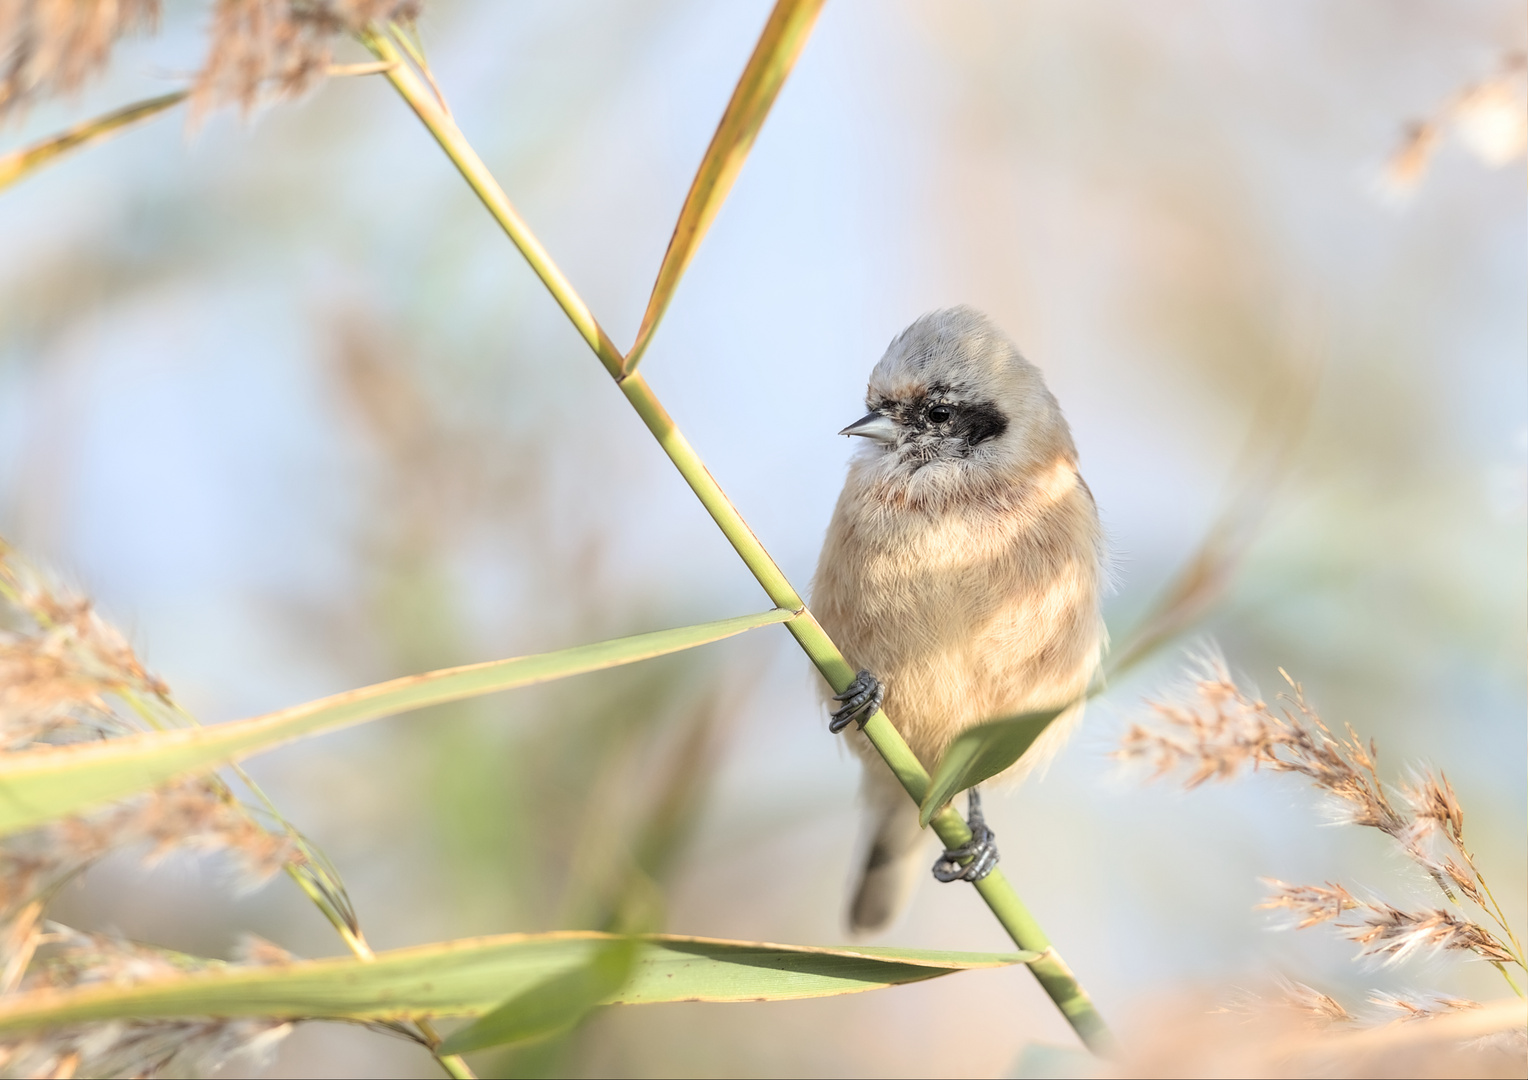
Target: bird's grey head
(953, 403)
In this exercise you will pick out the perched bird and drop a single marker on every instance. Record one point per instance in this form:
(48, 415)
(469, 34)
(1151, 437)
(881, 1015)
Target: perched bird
(961, 574)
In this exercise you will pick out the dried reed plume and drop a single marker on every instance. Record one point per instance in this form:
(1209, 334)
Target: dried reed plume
(1422, 1008)
(1384, 930)
(258, 49)
(280, 47)
(1217, 731)
(182, 1047)
(1324, 1011)
(51, 47)
(1320, 1008)
(1297, 1032)
(67, 676)
(1311, 903)
(58, 664)
(1490, 118)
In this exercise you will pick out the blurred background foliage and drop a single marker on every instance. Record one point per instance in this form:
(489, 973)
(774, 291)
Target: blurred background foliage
(280, 396)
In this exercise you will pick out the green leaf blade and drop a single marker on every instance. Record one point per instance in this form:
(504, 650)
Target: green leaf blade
(47, 783)
(702, 969)
(980, 753)
(479, 976)
(551, 1007)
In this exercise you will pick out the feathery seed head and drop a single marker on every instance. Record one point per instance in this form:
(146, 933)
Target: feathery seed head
(50, 47)
(1388, 931)
(1406, 1009)
(280, 47)
(1311, 904)
(1320, 1008)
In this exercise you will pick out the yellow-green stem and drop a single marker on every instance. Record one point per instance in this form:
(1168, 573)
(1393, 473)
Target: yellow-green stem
(1053, 974)
(1498, 914)
(453, 1064)
(1050, 969)
(1508, 976)
(20, 163)
(451, 140)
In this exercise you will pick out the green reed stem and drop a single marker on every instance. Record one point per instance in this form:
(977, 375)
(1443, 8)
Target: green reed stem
(1053, 974)
(454, 1064)
(1500, 916)
(451, 140)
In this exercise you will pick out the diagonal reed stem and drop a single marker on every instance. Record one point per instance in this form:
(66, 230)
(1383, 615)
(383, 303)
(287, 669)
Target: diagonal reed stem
(1051, 971)
(20, 163)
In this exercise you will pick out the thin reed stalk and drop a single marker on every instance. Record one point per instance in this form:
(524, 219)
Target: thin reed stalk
(430, 110)
(21, 163)
(1052, 972)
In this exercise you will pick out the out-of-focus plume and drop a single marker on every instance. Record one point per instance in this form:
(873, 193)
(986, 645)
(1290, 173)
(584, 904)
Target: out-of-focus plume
(1320, 1008)
(50, 47)
(66, 675)
(59, 661)
(148, 1047)
(1311, 904)
(280, 48)
(1296, 1031)
(1490, 118)
(1420, 1008)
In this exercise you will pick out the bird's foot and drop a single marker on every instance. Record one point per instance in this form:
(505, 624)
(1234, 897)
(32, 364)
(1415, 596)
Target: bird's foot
(861, 699)
(974, 859)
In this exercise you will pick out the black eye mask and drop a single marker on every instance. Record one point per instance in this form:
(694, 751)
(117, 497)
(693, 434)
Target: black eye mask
(933, 413)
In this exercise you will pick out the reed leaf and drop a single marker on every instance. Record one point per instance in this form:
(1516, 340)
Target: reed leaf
(19, 163)
(784, 36)
(982, 752)
(472, 977)
(554, 1006)
(43, 784)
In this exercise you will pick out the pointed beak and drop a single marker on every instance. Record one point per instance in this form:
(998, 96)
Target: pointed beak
(875, 426)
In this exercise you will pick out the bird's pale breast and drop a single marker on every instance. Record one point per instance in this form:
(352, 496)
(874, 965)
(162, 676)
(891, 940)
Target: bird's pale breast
(966, 613)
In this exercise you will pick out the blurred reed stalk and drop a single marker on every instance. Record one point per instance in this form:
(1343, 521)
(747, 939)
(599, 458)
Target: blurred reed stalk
(18, 163)
(780, 42)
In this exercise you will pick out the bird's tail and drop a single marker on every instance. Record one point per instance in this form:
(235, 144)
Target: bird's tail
(891, 864)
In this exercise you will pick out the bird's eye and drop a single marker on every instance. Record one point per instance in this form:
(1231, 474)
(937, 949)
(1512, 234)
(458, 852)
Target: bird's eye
(939, 414)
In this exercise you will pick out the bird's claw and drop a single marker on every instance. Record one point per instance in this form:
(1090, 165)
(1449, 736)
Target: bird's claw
(861, 699)
(981, 849)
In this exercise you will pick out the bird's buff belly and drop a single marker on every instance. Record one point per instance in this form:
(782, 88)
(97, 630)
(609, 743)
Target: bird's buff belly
(955, 653)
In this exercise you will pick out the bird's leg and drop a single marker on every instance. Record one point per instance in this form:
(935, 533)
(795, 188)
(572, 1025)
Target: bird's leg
(981, 849)
(861, 699)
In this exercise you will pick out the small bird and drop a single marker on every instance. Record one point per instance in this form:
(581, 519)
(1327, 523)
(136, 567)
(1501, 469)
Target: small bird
(960, 575)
